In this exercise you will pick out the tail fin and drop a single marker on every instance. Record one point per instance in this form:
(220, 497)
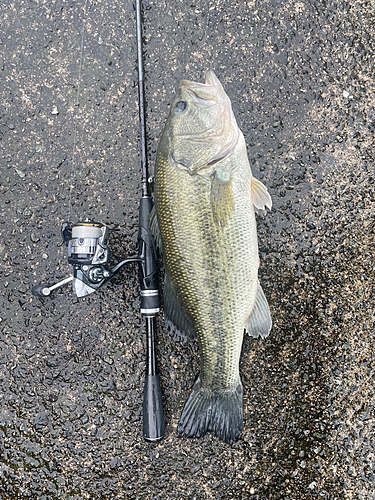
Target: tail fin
(219, 412)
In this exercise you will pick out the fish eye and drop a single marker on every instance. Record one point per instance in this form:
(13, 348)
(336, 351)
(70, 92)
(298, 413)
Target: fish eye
(180, 106)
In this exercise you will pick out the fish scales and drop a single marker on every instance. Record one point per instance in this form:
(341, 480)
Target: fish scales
(205, 216)
(202, 260)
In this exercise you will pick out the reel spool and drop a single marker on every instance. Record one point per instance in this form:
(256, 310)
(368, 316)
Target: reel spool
(84, 243)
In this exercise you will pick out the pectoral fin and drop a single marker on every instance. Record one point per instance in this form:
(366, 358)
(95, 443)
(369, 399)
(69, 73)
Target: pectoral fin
(222, 201)
(176, 321)
(259, 322)
(259, 195)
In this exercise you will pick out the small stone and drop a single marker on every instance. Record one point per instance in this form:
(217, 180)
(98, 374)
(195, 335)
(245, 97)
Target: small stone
(20, 173)
(41, 420)
(54, 111)
(303, 464)
(94, 332)
(52, 362)
(100, 40)
(53, 397)
(345, 94)
(34, 238)
(115, 463)
(44, 256)
(252, 490)
(312, 485)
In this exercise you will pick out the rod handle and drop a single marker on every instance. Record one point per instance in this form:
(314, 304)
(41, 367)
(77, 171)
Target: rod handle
(153, 414)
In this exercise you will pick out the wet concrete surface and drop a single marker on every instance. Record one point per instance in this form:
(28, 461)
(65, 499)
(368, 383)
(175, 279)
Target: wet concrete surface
(301, 79)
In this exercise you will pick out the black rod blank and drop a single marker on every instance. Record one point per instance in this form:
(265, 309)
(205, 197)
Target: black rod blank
(153, 414)
(141, 92)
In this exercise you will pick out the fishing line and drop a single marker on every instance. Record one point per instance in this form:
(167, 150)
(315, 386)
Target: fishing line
(76, 110)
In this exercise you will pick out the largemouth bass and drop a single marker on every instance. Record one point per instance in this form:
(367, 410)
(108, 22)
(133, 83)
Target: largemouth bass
(204, 222)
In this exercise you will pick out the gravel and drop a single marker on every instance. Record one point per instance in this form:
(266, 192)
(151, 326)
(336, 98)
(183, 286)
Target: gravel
(300, 77)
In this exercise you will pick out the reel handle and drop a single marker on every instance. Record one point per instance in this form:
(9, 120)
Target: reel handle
(42, 290)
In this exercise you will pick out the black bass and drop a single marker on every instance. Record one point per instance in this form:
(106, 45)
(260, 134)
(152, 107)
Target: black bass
(205, 196)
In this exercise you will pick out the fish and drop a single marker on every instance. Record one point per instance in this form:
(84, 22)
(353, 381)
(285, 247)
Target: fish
(203, 220)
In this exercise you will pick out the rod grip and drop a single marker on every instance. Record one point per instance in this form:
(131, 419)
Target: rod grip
(153, 414)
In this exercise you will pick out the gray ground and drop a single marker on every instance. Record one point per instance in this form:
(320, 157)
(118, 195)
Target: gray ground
(300, 77)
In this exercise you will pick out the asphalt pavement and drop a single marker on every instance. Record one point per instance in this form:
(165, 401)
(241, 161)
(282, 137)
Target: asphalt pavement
(300, 76)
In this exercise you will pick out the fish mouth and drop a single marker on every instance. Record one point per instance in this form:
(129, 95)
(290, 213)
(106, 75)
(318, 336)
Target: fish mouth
(211, 80)
(206, 93)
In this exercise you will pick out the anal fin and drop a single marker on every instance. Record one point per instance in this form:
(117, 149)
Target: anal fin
(259, 322)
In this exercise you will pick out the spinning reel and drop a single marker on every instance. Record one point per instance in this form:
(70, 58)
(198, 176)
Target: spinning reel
(89, 253)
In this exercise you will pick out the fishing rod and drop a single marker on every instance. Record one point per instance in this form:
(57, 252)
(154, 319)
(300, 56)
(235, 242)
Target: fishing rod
(153, 415)
(89, 253)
